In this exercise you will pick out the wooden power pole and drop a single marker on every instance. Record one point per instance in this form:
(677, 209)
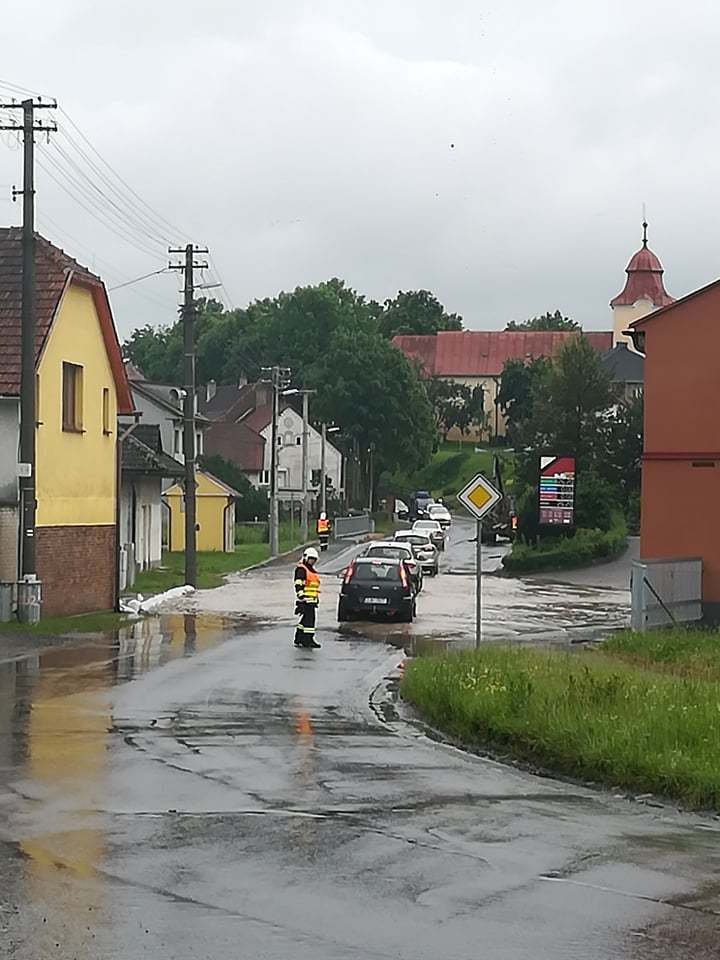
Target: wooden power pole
(188, 267)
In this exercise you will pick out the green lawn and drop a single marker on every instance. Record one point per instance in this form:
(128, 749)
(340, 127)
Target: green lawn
(644, 712)
(62, 626)
(212, 567)
(451, 468)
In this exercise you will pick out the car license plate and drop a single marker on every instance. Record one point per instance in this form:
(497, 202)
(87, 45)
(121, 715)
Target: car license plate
(375, 600)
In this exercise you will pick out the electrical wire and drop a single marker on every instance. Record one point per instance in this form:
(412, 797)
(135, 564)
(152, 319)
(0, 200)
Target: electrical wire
(98, 215)
(80, 174)
(145, 276)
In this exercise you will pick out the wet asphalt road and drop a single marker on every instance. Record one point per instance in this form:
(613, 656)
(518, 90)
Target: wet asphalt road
(197, 788)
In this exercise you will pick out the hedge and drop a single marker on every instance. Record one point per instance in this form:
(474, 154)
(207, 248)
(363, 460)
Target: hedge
(582, 549)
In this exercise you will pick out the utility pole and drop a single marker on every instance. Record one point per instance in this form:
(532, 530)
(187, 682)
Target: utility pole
(323, 481)
(279, 377)
(305, 431)
(188, 268)
(28, 414)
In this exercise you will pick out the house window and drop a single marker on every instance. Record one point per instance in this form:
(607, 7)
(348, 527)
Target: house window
(198, 443)
(298, 441)
(106, 411)
(265, 477)
(177, 441)
(280, 441)
(72, 397)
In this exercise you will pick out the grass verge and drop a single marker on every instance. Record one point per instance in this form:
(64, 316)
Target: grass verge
(627, 716)
(212, 567)
(62, 626)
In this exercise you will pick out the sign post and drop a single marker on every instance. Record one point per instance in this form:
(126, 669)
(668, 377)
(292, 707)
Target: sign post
(479, 497)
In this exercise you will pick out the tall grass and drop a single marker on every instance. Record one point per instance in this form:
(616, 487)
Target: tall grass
(590, 716)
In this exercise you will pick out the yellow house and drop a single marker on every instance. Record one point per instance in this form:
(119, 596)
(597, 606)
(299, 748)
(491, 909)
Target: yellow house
(81, 388)
(215, 514)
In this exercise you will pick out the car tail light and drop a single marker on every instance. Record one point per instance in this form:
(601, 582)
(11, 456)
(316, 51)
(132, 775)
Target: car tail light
(403, 575)
(349, 572)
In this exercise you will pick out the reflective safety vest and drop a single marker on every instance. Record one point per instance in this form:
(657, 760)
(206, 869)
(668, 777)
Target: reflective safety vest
(307, 584)
(323, 526)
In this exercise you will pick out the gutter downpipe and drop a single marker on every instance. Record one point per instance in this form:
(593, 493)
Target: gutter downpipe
(118, 483)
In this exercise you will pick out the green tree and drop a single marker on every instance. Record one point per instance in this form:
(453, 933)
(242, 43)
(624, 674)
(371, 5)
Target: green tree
(571, 402)
(546, 321)
(520, 385)
(416, 312)
(252, 503)
(329, 336)
(157, 352)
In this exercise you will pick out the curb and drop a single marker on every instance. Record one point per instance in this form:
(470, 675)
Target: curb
(266, 563)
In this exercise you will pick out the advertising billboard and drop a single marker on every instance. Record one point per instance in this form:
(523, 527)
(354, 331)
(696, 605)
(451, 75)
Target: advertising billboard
(556, 493)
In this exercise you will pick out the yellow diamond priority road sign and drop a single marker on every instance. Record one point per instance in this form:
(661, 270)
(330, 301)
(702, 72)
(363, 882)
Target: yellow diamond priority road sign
(479, 496)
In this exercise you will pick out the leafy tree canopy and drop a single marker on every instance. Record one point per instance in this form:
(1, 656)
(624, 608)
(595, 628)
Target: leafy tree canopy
(416, 312)
(330, 338)
(547, 321)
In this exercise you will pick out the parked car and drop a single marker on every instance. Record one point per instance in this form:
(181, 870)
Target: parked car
(393, 550)
(437, 534)
(376, 585)
(439, 512)
(419, 502)
(425, 550)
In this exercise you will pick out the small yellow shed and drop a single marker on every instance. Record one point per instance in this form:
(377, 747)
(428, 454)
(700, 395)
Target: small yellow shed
(215, 514)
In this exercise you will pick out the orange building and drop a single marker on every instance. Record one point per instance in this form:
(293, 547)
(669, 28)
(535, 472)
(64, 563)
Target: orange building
(681, 461)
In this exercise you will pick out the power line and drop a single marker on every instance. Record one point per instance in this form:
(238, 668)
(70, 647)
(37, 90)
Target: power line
(110, 211)
(99, 215)
(121, 213)
(145, 276)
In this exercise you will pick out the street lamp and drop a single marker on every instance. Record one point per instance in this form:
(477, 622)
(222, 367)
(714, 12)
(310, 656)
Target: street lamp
(294, 392)
(279, 377)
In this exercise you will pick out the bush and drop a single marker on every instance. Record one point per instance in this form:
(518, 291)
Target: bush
(558, 553)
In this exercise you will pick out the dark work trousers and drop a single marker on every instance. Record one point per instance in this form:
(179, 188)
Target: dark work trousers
(305, 632)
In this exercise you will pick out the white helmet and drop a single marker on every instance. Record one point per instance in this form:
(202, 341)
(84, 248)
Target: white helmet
(311, 554)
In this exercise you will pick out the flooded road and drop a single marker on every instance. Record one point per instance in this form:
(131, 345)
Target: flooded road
(197, 787)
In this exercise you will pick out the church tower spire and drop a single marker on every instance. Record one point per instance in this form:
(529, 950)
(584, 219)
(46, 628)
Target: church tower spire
(644, 290)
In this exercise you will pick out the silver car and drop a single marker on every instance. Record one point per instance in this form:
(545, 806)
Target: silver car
(439, 512)
(433, 528)
(425, 550)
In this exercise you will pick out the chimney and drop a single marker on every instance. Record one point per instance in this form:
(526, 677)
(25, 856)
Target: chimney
(210, 390)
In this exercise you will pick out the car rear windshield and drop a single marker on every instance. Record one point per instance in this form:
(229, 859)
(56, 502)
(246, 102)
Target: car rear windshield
(392, 553)
(427, 524)
(377, 571)
(417, 541)
(422, 495)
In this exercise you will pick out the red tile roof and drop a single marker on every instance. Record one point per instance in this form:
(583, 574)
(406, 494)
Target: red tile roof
(644, 281)
(236, 442)
(54, 269)
(476, 353)
(260, 418)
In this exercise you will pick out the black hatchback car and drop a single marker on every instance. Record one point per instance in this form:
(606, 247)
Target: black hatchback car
(376, 585)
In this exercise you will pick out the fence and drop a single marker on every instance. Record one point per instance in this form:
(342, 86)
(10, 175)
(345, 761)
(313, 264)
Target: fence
(352, 526)
(665, 592)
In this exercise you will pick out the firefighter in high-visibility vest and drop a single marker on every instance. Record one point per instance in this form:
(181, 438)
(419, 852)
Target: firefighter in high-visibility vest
(307, 597)
(323, 530)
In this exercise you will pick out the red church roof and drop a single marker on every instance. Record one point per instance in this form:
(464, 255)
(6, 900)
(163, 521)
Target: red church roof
(644, 279)
(476, 353)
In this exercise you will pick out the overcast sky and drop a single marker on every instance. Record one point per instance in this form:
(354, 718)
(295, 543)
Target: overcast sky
(497, 154)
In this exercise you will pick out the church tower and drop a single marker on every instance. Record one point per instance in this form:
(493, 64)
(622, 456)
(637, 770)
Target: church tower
(643, 292)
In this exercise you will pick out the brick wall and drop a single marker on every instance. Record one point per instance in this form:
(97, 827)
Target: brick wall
(8, 543)
(77, 568)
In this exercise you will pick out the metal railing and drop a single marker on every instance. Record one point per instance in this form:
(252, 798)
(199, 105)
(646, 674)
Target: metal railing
(352, 526)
